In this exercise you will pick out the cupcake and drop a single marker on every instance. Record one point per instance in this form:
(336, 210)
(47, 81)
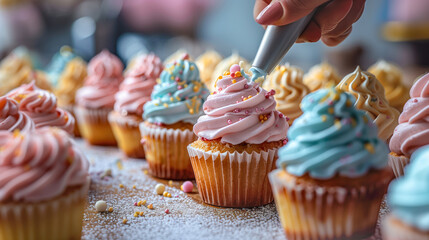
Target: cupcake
(206, 64)
(133, 93)
(413, 129)
(238, 141)
(174, 56)
(43, 185)
(408, 199)
(321, 76)
(17, 70)
(70, 80)
(169, 117)
(333, 172)
(41, 106)
(11, 119)
(59, 63)
(369, 94)
(287, 83)
(224, 66)
(390, 77)
(96, 98)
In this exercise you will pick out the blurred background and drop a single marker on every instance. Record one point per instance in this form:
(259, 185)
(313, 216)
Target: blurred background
(394, 30)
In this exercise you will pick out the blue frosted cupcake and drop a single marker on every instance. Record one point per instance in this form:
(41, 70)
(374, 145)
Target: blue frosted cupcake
(408, 198)
(176, 103)
(333, 172)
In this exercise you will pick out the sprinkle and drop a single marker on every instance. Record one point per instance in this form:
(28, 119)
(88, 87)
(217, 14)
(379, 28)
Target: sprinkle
(287, 119)
(192, 68)
(171, 99)
(141, 214)
(135, 204)
(187, 187)
(337, 123)
(165, 105)
(324, 117)
(110, 209)
(167, 194)
(281, 115)
(226, 73)
(415, 100)
(145, 172)
(143, 202)
(100, 206)
(136, 214)
(370, 148)
(159, 188)
(349, 103)
(331, 110)
(167, 211)
(177, 79)
(134, 186)
(191, 111)
(238, 74)
(220, 77)
(121, 185)
(179, 87)
(229, 121)
(236, 110)
(119, 164)
(233, 81)
(150, 206)
(232, 74)
(124, 221)
(284, 142)
(170, 183)
(246, 86)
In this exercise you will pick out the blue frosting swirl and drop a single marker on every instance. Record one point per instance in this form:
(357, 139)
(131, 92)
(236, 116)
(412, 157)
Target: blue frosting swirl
(58, 64)
(179, 95)
(408, 196)
(332, 137)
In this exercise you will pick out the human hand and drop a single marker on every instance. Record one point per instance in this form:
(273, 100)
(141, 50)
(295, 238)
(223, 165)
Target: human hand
(332, 22)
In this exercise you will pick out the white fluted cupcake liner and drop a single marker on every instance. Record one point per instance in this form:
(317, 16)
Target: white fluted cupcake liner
(166, 152)
(233, 179)
(56, 219)
(398, 164)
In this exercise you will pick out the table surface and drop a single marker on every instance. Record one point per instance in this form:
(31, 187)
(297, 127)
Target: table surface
(188, 217)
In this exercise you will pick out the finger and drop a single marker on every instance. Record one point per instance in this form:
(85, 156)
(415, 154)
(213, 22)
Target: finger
(312, 33)
(259, 6)
(334, 41)
(329, 16)
(352, 17)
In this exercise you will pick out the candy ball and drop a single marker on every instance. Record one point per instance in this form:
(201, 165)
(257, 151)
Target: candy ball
(187, 187)
(159, 188)
(100, 206)
(234, 68)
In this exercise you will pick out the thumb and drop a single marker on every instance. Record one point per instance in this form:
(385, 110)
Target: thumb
(282, 12)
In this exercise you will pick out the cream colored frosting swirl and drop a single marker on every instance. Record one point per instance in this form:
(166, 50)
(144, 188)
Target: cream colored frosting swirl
(369, 94)
(39, 165)
(41, 107)
(206, 64)
(390, 77)
(321, 76)
(11, 118)
(70, 81)
(287, 82)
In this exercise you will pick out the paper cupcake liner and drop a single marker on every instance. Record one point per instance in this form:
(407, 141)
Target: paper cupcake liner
(233, 179)
(398, 164)
(94, 126)
(166, 152)
(308, 211)
(56, 219)
(127, 134)
(394, 229)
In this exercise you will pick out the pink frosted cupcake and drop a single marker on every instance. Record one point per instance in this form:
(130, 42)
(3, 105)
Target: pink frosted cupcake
(43, 185)
(133, 93)
(41, 106)
(238, 141)
(11, 119)
(413, 129)
(96, 98)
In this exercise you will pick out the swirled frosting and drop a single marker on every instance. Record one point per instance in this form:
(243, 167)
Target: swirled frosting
(369, 94)
(137, 86)
(408, 196)
(41, 107)
(332, 137)
(413, 129)
(15, 71)
(11, 118)
(206, 64)
(178, 96)
(59, 63)
(39, 165)
(390, 77)
(102, 83)
(70, 81)
(287, 81)
(224, 65)
(321, 76)
(241, 112)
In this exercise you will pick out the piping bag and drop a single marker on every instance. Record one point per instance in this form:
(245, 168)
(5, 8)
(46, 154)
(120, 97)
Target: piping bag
(275, 44)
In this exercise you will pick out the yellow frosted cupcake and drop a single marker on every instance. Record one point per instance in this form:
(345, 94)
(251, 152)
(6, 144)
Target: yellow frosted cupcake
(224, 65)
(289, 90)
(321, 76)
(176, 55)
(369, 94)
(390, 77)
(44, 184)
(17, 70)
(206, 64)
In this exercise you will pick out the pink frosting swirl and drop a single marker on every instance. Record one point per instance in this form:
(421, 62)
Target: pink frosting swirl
(102, 82)
(241, 112)
(137, 87)
(39, 165)
(41, 106)
(11, 118)
(413, 129)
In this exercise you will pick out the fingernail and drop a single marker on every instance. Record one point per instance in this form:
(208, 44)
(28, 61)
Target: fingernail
(270, 14)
